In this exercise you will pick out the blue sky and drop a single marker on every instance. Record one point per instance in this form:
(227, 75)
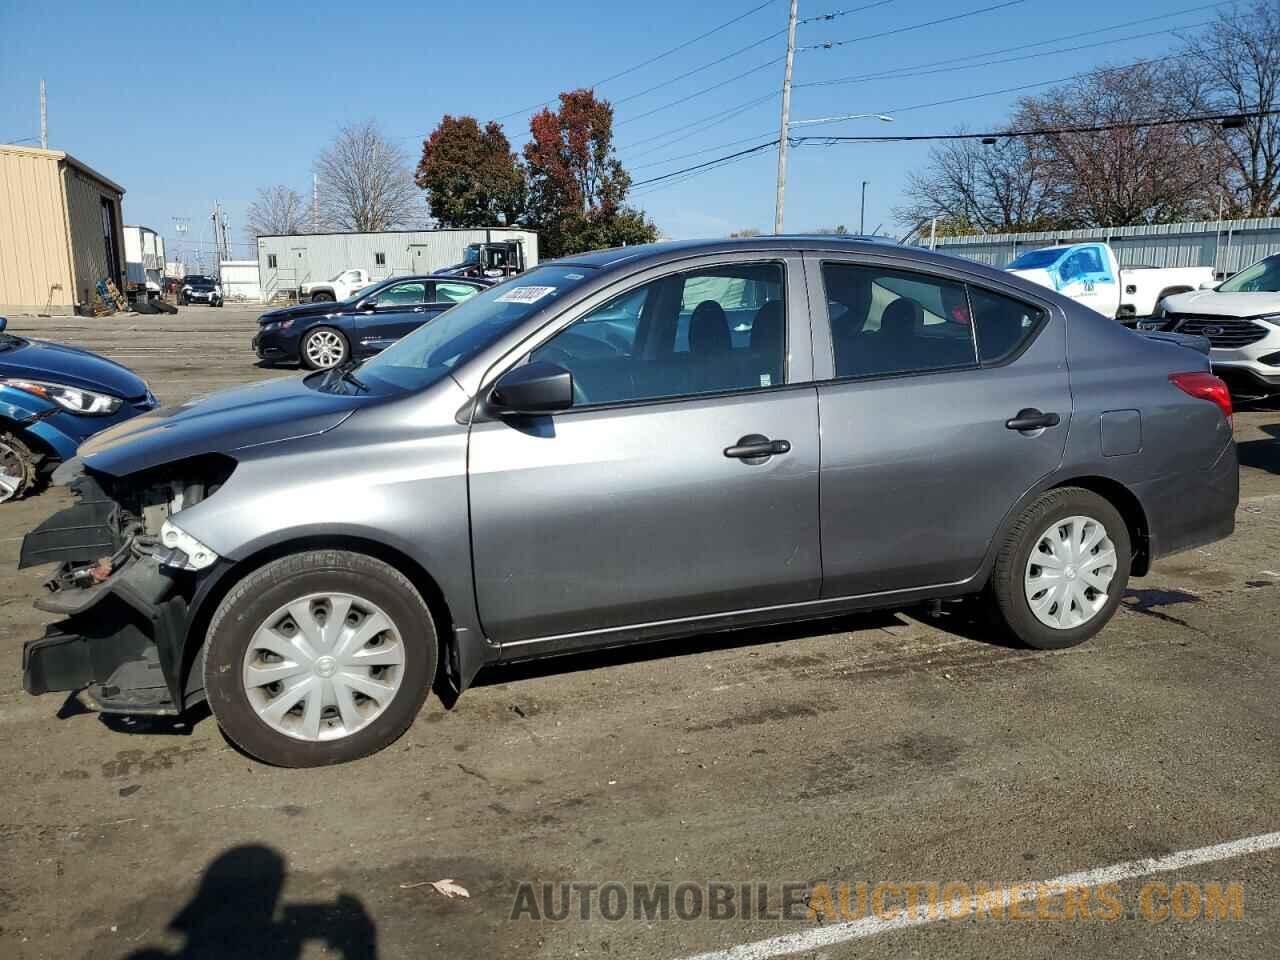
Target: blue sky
(186, 103)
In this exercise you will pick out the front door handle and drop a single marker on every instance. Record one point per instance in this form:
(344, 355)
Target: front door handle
(756, 448)
(1032, 419)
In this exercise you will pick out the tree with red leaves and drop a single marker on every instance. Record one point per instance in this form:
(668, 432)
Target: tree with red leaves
(577, 186)
(471, 175)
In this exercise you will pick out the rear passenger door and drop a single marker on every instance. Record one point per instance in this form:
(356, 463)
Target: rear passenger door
(683, 482)
(919, 375)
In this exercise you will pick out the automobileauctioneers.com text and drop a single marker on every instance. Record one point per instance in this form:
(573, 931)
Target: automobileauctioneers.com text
(1154, 901)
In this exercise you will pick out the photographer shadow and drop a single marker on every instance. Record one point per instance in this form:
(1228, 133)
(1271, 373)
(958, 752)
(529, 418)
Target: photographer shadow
(236, 912)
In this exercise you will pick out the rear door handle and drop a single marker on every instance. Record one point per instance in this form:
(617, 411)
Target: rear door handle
(756, 448)
(1032, 419)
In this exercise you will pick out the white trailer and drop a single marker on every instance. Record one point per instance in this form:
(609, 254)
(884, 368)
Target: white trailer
(144, 262)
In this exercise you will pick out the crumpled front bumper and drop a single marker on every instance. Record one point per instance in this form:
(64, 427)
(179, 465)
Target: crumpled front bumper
(121, 639)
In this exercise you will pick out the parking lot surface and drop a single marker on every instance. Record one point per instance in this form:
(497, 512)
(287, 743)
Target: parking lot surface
(893, 748)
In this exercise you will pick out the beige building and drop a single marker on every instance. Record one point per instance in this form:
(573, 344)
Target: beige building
(60, 232)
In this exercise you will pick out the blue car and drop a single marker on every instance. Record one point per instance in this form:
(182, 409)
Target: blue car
(52, 398)
(324, 335)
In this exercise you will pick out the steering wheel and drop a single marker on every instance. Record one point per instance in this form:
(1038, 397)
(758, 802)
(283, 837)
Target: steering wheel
(557, 355)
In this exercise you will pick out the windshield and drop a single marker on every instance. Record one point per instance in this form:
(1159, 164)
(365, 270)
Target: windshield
(364, 292)
(472, 254)
(1262, 277)
(1037, 259)
(461, 332)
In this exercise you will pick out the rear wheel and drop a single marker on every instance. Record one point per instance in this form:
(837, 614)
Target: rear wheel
(318, 658)
(17, 467)
(1062, 569)
(322, 296)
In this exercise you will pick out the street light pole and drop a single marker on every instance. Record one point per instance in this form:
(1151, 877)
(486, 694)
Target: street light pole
(862, 216)
(786, 120)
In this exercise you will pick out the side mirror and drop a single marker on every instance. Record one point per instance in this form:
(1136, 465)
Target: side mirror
(1210, 285)
(4, 322)
(368, 303)
(537, 387)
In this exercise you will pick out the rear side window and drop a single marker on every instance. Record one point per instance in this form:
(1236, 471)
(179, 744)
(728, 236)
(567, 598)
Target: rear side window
(1003, 325)
(886, 321)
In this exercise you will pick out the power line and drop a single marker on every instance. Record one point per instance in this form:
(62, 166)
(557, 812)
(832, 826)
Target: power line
(699, 166)
(1028, 46)
(837, 14)
(832, 44)
(698, 93)
(653, 59)
(705, 122)
(923, 70)
(705, 66)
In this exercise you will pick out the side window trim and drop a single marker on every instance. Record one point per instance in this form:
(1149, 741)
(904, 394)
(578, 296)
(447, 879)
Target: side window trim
(823, 352)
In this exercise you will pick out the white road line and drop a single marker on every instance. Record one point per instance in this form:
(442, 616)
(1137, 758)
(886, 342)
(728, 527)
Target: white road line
(818, 937)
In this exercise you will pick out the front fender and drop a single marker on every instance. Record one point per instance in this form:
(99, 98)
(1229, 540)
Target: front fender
(29, 415)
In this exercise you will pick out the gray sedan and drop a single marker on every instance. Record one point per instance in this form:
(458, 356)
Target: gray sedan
(627, 446)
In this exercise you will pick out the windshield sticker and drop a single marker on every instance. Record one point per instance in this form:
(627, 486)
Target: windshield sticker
(525, 294)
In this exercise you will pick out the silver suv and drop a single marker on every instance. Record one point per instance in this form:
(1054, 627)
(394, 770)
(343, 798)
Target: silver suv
(620, 447)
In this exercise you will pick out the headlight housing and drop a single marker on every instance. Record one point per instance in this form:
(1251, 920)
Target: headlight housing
(185, 551)
(84, 402)
(1271, 318)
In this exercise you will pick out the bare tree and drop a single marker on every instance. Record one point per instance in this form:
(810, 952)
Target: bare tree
(365, 182)
(978, 187)
(1237, 62)
(1131, 174)
(278, 211)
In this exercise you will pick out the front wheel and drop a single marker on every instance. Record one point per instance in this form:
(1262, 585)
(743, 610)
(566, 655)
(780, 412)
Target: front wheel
(322, 296)
(318, 658)
(324, 347)
(17, 467)
(1062, 569)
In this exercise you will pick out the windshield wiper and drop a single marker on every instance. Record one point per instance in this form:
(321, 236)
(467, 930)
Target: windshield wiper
(346, 371)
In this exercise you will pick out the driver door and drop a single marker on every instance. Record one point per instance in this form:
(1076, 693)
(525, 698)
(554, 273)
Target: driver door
(400, 309)
(637, 505)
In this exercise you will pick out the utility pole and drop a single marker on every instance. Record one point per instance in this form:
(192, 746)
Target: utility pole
(785, 131)
(44, 120)
(862, 216)
(315, 204)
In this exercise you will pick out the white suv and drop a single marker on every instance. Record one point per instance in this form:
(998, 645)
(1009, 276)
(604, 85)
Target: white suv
(1241, 320)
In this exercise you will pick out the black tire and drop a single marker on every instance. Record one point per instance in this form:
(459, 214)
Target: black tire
(260, 593)
(322, 296)
(306, 361)
(1007, 585)
(18, 457)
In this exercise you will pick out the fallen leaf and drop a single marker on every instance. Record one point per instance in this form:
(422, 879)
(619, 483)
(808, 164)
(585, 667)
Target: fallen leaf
(446, 887)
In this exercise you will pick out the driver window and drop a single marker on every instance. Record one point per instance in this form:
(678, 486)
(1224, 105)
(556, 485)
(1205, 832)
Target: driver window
(402, 294)
(707, 331)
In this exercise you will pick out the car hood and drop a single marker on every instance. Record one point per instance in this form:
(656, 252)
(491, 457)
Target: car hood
(223, 422)
(303, 310)
(1211, 303)
(54, 363)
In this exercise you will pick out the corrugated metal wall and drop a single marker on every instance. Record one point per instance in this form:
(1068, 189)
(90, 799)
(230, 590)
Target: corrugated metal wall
(84, 215)
(35, 267)
(320, 256)
(1228, 246)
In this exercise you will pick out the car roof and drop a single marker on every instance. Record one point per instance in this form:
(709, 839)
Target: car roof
(655, 254)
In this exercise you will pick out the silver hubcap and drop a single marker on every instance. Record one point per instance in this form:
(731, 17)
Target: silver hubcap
(1069, 572)
(325, 348)
(323, 666)
(12, 472)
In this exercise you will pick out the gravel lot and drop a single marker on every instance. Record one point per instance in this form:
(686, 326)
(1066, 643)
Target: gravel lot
(883, 748)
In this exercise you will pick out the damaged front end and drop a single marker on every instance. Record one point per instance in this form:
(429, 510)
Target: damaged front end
(127, 581)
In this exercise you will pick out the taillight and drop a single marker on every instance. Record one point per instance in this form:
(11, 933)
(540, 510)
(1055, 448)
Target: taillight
(1205, 386)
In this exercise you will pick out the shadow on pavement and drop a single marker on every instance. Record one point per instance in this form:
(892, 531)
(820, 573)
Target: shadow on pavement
(236, 912)
(1262, 454)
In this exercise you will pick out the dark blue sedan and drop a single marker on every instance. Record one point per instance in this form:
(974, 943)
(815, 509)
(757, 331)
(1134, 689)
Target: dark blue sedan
(52, 399)
(323, 335)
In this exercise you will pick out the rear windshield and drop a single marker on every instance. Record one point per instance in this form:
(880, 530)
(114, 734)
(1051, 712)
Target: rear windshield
(1037, 259)
(435, 349)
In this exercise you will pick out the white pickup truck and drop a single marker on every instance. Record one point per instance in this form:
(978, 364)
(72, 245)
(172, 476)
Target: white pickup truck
(337, 288)
(1090, 274)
